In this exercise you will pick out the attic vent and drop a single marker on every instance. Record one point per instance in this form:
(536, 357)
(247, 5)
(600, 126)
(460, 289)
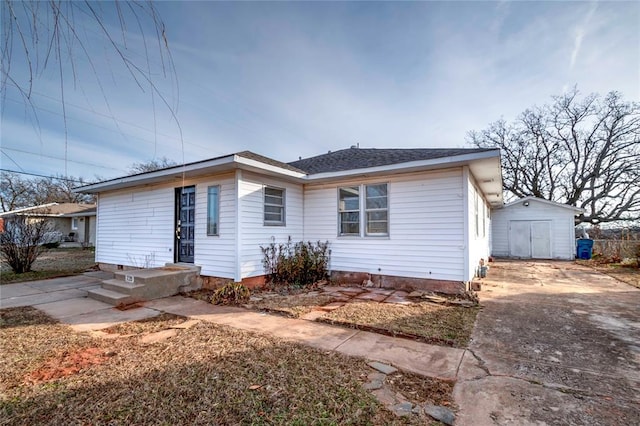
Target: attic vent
(356, 146)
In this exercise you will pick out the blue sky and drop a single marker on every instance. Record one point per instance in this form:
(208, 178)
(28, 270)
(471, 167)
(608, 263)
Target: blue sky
(298, 79)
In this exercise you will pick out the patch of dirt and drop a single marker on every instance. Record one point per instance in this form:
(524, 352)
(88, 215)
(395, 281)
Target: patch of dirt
(66, 364)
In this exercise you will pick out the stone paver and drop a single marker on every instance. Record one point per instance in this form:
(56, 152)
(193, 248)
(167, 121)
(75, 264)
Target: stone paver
(158, 336)
(383, 368)
(375, 297)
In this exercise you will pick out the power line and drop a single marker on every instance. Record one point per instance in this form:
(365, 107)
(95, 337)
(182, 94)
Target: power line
(44, 176)
(59, 158)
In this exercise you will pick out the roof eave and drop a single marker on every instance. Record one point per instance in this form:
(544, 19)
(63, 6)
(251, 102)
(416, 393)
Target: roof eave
(218, 165)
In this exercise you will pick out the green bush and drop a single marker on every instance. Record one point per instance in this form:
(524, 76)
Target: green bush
(302, 263)
(230, 294)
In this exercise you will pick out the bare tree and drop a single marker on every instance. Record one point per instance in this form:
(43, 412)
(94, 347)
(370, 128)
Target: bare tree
(15, 191)
(149, 166)
(584, 152)
(59, 189)
(23, 241)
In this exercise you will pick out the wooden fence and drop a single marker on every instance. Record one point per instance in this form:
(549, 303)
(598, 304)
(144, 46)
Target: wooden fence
(620, 249)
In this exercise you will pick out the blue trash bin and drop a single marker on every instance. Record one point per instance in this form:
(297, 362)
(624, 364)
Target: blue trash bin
(584, 248)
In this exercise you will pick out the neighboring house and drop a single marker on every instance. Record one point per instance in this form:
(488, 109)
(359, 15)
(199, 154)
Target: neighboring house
(534, 228)
(400, 217)
(70, 222)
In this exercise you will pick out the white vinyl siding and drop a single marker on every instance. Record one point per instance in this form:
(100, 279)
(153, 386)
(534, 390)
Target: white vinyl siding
(425, 223)
(478, 222)
(216, 254)
(136, 227)
(562, 227)
(254, 232)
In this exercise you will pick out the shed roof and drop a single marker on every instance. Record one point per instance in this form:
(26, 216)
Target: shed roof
(543, 201)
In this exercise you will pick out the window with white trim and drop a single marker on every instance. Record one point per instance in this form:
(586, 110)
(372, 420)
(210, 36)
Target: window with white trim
(476, 213)
(74, 223)
(377, 210)
(349, 210)
(274, 202)
(372, 210)
(213, 210)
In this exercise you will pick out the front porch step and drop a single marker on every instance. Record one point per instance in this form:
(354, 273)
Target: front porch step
(147, 284)
(123, 287)
(112, 297)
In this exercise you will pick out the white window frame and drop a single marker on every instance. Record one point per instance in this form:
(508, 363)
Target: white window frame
(216, 207)
(476, 213)
(74, 223)
(341, 211)
(282, 206)
(363, 212)
(368, 210)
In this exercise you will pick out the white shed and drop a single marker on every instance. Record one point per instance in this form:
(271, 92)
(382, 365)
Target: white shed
(534, 228)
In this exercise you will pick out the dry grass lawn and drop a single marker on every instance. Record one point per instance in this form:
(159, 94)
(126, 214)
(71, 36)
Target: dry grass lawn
(430, 322)
(625, 272)
(206, 374)
(53, 263)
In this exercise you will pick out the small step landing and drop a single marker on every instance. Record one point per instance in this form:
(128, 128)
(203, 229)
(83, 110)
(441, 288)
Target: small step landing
(141, 285)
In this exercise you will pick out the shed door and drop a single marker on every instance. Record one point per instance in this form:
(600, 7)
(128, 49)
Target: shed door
(520, 238)
(530, 239)
(540, 240)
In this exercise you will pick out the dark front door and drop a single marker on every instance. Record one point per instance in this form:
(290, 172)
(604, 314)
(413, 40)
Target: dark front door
(185, 223)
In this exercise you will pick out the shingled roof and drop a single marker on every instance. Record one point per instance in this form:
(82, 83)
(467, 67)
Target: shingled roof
(361, 158)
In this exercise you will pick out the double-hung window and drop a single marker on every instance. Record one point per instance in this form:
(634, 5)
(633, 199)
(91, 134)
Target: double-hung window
(213, 210)
(372, 210)
(377, 210)
(274, 202)
(349, 210)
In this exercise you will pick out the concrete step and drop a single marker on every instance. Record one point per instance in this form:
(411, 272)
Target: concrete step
(123, 287)
(111, 297)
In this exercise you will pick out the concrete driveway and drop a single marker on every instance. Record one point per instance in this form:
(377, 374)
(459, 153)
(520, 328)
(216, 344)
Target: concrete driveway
(556, 344)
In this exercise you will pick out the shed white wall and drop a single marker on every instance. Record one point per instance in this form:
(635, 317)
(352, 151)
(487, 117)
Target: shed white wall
(562, 227)
(254, 233)
(479, 236)
(426, 221)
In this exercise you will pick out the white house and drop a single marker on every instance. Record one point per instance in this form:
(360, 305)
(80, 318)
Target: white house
(534, 228)
(400, 217)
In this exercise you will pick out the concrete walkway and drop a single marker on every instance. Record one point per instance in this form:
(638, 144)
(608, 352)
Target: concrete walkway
(65, 300)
